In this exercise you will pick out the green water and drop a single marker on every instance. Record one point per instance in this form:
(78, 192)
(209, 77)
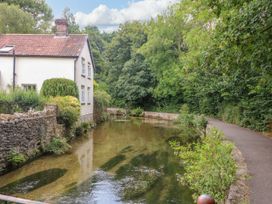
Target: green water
(118, 157)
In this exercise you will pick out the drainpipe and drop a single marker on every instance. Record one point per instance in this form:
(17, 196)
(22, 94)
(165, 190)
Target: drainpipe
(14, 70)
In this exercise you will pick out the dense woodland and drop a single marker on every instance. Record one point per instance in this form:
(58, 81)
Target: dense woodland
(215, 56)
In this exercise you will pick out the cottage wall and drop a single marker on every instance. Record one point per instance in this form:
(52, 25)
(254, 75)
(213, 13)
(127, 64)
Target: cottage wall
(35, 70)
(84, 80)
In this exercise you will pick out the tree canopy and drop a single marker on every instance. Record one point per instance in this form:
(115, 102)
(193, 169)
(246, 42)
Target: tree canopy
(39, 10)
(214, 56)
(14, 20)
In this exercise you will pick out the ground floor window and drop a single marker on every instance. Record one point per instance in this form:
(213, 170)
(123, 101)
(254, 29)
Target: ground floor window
(89, 95)
(29, 87)
(82, 94)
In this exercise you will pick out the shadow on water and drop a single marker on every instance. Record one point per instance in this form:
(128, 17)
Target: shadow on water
(113, 162)
(121, 162)
(32, 182)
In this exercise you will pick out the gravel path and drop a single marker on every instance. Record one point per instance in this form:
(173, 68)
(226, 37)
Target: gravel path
(257, 151)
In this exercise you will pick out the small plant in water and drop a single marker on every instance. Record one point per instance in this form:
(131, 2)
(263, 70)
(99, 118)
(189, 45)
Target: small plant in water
(137, 112)
(58, 146)
(16, 158)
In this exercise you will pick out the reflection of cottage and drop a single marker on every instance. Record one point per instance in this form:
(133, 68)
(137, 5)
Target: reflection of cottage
(26, 60)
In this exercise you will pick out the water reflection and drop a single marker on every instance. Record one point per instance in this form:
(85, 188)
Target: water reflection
(116, 153)
(78, 166)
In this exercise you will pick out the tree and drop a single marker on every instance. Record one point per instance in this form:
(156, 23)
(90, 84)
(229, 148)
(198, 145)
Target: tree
(14, 20)
(73, 27)
(135, 84)
(98, 43)
(123, 58)
(39, 10)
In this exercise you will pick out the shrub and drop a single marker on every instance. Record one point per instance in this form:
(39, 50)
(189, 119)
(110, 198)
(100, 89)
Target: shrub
(26, 99)
(6, 103)
(231, 114)
(101, 102)
(209, 166)
(16, 158)
(19, 101)
(59, 87)
(137, 112)
(191, 127)
(58, 146)
(82, 129)
(69, 109)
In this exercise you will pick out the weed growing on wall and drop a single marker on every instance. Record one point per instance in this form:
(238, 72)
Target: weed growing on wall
(58, 146)
(16, 158)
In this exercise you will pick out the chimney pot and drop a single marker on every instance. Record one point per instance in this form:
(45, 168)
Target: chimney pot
(61, 27)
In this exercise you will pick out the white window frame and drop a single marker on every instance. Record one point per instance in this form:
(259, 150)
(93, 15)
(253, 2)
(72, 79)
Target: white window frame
(83, 95)
(28, 87)
(89, 70)
(89, 95)
(83, 67)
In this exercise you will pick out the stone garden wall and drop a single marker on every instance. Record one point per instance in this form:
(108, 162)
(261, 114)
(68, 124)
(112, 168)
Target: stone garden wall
(26, 132)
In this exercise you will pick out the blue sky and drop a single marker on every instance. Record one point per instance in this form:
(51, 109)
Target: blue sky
(109, 14)
(85, 6)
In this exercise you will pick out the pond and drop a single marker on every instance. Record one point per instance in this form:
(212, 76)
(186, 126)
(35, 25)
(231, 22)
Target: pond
(121, 161)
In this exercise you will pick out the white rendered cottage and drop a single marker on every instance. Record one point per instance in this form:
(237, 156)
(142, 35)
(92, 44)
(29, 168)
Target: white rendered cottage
(27, 60)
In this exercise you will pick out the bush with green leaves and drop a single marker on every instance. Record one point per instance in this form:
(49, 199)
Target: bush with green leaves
(137, 112)
(191, 127)
(69, 109)
(16, 158)
(208, 165)
(82, 129)
(59, 87)
(19, 101)
(58, 146)
(101, 102)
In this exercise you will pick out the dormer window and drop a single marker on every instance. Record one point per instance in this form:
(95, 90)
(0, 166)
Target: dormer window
(83, 67)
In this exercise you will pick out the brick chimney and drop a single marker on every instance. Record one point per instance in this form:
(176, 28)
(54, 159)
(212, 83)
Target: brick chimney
(61, 27)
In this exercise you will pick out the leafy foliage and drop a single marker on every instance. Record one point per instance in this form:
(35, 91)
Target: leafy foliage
(191, 127)
(58, 146)
(129, 76)
(214, 56)
(19, 101)
(69, 109)
(73, 27)
(101, 102)
(82, 129)
(16, 158)
(59, 87)
(137, 112)
(209, 166)
(40, 12)
(14, 20)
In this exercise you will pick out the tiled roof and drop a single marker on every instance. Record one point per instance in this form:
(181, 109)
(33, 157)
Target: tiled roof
(44, 45)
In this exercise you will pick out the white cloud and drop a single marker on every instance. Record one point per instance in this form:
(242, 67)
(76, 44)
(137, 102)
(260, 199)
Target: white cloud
(108, 19)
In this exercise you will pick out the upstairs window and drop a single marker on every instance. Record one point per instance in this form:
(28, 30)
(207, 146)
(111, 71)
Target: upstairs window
(89, 70)
(83, 66)
(82, 97)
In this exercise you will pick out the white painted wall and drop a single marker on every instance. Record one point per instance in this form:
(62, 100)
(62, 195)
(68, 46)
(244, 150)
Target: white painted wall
(35, 70)
(6, 72)
(86, 109)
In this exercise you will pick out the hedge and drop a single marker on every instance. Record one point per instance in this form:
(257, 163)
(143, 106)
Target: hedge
(59, 87)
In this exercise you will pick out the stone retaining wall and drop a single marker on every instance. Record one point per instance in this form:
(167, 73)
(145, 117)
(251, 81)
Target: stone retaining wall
(154, 115)
(26, 133)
